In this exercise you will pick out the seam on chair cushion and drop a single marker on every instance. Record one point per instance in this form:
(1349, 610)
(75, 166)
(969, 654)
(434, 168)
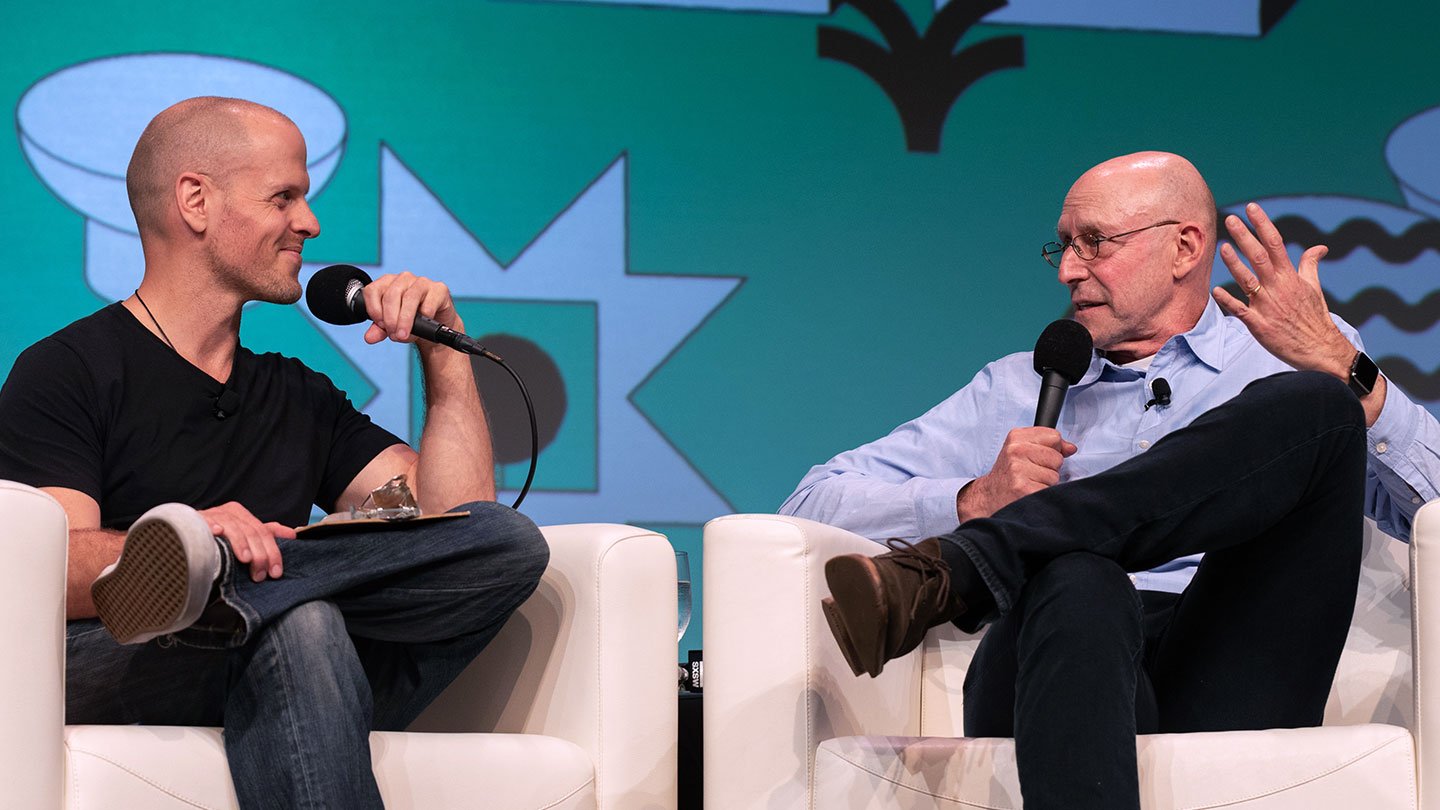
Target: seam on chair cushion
(167, 791)
(925, 704)
(598, 635)
(1336, 769)
(809, 685)
(1340, 766)
(892, 780)
(568, 796)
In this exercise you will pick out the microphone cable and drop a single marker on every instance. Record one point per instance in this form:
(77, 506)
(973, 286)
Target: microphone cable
(534, 428)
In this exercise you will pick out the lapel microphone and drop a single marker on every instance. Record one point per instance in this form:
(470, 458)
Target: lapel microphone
(227, 403)
(1161, 389)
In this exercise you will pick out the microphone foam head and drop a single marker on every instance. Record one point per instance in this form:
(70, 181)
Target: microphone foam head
(329, 294)
(1064, 347)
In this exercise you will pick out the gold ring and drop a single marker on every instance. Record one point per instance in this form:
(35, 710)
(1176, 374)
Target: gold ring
(1254, 292)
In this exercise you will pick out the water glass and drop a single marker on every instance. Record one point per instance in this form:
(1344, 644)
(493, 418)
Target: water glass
(682, 582)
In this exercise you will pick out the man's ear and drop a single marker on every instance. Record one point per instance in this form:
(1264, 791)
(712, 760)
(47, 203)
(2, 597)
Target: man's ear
(1191, 250)
(193, 193)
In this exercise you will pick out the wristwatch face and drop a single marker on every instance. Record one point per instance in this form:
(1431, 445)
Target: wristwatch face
(1363, 373)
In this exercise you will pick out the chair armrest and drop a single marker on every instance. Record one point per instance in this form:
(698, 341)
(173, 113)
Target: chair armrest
(776, 684)
(589, 658)
(32, 625)
(1425, 603)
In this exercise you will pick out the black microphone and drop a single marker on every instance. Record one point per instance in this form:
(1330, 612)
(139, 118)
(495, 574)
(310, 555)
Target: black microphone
(1062, 354)
(1161, 389)
(334, 296)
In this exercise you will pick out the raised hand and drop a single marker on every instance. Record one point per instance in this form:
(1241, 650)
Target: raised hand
(1285, 310)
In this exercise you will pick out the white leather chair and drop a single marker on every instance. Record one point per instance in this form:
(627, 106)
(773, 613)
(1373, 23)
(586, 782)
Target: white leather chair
(787, 725)
(577, 693)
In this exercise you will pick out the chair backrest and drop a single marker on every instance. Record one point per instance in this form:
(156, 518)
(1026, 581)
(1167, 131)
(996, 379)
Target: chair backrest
(1373, 683)
(32, 631)
(586, 659)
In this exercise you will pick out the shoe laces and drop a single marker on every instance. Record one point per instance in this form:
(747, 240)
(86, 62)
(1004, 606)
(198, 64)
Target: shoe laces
(928, 566)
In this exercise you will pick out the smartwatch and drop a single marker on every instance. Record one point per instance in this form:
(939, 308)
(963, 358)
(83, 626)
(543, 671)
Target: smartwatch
(1363, 374)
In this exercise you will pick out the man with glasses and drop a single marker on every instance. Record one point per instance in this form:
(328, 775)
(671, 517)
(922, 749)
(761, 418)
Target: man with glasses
(1079, 546)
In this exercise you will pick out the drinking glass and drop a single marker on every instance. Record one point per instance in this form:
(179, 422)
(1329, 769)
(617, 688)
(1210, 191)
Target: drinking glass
(682, 582)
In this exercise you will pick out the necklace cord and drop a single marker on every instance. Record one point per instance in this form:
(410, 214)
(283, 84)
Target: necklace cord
(156, 322)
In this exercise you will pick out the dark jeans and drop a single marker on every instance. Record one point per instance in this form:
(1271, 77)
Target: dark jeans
(1270, 486)
(361, 633)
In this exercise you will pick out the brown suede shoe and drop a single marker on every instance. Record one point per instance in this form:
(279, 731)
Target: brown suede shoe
(880, 607)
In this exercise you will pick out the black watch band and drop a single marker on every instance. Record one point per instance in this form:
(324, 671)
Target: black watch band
(1363, 374)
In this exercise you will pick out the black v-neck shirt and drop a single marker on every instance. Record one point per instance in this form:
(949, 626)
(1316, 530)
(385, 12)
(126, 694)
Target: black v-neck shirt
(107, 408)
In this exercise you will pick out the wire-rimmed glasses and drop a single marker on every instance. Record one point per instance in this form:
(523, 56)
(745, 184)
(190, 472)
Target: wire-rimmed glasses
(1087, 245)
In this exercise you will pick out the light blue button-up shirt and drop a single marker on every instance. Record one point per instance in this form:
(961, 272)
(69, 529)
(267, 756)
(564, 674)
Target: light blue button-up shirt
(905, 484)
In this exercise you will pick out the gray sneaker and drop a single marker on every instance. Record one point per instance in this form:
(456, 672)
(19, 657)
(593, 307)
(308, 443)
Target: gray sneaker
(163, 578)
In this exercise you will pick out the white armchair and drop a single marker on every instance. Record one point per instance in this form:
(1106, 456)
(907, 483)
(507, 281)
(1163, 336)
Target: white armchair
(787, 725)
(577, 693)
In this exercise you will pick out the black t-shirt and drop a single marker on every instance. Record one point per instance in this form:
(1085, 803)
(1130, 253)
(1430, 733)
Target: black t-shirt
(107, 408)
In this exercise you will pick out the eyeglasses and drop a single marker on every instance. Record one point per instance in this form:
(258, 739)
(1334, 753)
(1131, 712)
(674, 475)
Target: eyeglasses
(1087, 245)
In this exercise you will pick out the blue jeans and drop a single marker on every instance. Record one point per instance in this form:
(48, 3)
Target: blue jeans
(361, 633)
(1270, 485)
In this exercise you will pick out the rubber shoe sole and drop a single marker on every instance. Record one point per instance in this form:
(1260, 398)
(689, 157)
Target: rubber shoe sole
(162, 580)
(842, 636)
(856, 612)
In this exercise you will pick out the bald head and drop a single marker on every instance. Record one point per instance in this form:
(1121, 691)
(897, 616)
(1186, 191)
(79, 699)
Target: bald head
(206, 135)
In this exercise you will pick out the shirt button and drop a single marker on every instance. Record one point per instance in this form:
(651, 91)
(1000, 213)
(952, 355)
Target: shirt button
(1415, 499)
(1381, 447)
(1144, 445)
(1134, 580)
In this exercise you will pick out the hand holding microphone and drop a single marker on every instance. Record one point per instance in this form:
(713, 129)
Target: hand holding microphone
(338, 294)
(1030, 458)
(342, 294)
(1028, 462)
(397, 305)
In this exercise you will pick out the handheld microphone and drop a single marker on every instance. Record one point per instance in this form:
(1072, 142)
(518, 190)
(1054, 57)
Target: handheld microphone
(334, 296)
(1062, 354)
(1161, 389)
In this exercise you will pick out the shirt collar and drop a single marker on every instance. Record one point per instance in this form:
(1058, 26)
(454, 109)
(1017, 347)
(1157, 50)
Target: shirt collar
(1206, 341)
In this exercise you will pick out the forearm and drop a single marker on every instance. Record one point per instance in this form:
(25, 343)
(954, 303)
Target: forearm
(90, 551)
(455, 464)
(1404, 462)
(878, 509)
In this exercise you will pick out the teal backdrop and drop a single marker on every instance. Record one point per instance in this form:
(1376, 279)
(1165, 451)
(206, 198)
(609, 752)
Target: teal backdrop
(723, 255)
